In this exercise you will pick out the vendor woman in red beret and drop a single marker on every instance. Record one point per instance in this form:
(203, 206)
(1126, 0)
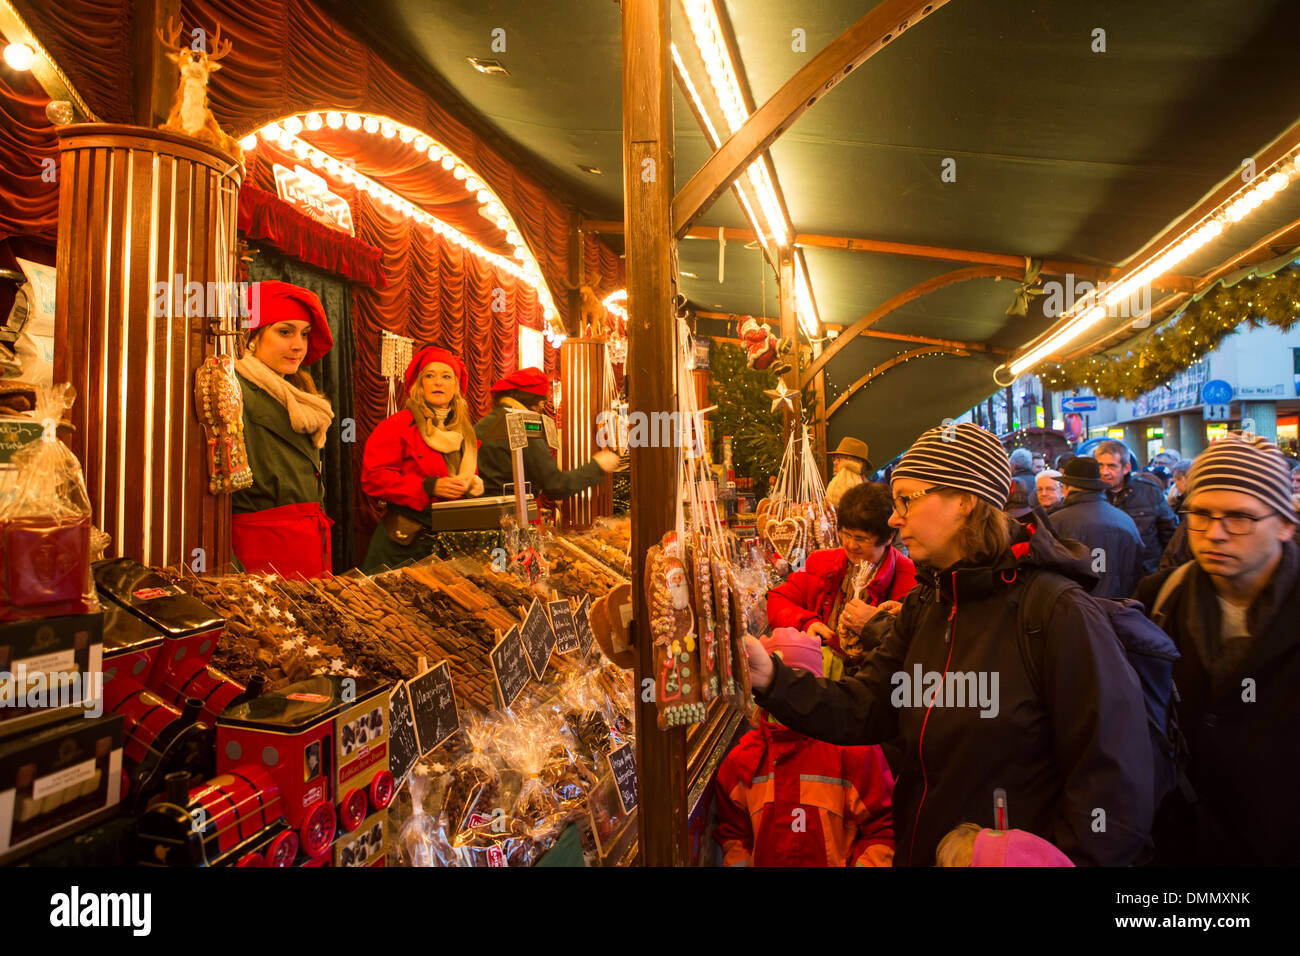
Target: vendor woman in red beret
(425, 453)
(278, 524)
(527, 389)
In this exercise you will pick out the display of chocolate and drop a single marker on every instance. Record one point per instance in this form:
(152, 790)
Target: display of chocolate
(58, 780)
(50, 668)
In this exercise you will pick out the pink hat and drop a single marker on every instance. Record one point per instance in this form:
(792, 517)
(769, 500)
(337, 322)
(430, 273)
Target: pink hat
(1015, 848)
(796, 648)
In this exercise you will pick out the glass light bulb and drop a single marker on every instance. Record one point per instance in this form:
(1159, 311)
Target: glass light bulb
(271, 131)
(19, 56)
(435, 152)
(370, 124)
(389, 130)
(352, 121)
(459, 172)
(421, 143)
(248, 143)
(448, 161)
(333, 119)
(406, 134)
(293, 125)
(312, 121)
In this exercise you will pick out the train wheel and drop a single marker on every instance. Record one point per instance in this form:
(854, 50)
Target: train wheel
(317, 830)
(353, 810)
(283, 849)
(252, 859)
(381, 790)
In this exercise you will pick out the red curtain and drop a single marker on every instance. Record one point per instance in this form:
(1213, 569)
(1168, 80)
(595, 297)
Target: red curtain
(262, 215)
(90, 40)
(29, 188)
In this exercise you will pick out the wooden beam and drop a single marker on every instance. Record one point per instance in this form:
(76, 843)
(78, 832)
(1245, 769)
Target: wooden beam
(1275, 150)
(647, 197)
(791, 417)
(1055, 267)
(849, 50)
(1259, 251)
(904, 297)
(884, 367)
(868, 334)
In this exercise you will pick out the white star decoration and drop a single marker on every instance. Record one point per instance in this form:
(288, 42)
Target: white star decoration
(336, 666)
(311, 651)
(780, 396)
(275, 612)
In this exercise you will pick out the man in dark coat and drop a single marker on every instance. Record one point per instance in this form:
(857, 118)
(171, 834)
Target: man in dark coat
(1143, 501)
(1232, 612)
(1107, 532)
(526, 390)
(1022, 470)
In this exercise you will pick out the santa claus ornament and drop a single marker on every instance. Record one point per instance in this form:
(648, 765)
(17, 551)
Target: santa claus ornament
(761, 347)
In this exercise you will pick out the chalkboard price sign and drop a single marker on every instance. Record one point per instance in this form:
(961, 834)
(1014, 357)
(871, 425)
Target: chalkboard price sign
(566, 629)
(403, 743)
(552, 437)
(516, 431)
(433, 701)
(538, 638)
(510, 667)
(623, 762)
(582, 618)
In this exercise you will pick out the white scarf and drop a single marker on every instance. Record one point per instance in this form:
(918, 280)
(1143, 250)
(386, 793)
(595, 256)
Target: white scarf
(308, 414)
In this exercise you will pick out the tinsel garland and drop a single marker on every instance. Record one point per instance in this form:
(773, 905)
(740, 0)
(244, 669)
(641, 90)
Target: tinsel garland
(1167, 349)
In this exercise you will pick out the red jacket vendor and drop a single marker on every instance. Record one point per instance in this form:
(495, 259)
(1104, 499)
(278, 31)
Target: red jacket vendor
(840, 589)
(425, 453)
(278, 524)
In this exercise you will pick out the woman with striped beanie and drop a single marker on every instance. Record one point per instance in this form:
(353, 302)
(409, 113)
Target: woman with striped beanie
(983, 740)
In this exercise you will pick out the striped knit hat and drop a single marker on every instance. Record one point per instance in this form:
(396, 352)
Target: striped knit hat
(962, 456)
(1251, 465)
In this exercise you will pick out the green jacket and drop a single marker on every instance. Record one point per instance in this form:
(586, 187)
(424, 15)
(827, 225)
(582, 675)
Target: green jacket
(494, 465)
(286, 466)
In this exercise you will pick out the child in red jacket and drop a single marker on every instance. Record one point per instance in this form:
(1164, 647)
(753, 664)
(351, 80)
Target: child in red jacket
(789, 800)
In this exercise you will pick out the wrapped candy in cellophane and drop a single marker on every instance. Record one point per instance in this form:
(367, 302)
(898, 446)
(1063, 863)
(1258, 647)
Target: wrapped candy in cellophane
(502, 789)
(45, 524)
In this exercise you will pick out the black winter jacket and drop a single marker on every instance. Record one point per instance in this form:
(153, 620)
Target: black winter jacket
(1146, 504)
(496, 468)
(1242, 765)
(1075, 763)
(1088, 518)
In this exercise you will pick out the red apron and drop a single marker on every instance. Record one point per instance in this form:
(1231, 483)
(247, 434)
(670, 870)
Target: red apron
(292, 540)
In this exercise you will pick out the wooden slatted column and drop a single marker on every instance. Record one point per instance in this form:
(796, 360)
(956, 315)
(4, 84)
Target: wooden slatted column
(584, 395)
(139, 211)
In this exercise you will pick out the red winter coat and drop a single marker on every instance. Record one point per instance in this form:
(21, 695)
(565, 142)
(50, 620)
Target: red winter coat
(788, 800)
(807, 596)
(396, 462)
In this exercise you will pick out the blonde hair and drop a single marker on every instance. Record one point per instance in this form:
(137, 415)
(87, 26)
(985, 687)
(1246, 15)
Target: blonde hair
(986, 532)
(957, 848)
(300, 379)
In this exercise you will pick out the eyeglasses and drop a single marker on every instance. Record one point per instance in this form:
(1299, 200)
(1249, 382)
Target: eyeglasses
(902, 504)
(861, 540)
(1234, 523)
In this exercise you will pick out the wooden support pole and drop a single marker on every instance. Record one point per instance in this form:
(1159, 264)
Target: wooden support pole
(790, 331)
(647, 199)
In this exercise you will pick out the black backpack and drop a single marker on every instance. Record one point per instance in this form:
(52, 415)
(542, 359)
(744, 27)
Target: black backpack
(1150, 653)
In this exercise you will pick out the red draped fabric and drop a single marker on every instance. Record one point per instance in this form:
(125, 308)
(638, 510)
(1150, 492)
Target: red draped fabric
(29, 188)
(264, 216)
(90, 40)
(602, 267)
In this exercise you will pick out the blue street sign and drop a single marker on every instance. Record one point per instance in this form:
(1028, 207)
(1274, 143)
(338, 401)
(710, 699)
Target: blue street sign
(1216, 392)
(1079, 403)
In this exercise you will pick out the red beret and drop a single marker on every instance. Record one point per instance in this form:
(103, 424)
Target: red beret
(531, 380)
(430, 354)
(273, 301)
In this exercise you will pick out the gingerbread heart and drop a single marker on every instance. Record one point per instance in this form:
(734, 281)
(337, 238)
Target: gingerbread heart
(784, 535)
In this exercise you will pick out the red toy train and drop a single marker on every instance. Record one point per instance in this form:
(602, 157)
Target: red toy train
(293, 768)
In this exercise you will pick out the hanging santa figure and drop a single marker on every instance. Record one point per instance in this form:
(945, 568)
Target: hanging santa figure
(759, 342)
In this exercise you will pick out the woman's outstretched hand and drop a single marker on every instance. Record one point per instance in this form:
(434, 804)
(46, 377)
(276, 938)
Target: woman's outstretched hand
(760, 665)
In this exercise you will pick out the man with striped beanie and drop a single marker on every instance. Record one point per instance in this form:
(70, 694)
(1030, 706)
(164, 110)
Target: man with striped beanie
(1233, 612)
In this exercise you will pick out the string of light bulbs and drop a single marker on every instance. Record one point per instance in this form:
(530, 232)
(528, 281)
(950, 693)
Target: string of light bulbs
(1086, 313)
(706, 31)
(523, 266)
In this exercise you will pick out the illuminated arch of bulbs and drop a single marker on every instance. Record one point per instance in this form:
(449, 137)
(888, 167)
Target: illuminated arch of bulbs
(523, 266)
